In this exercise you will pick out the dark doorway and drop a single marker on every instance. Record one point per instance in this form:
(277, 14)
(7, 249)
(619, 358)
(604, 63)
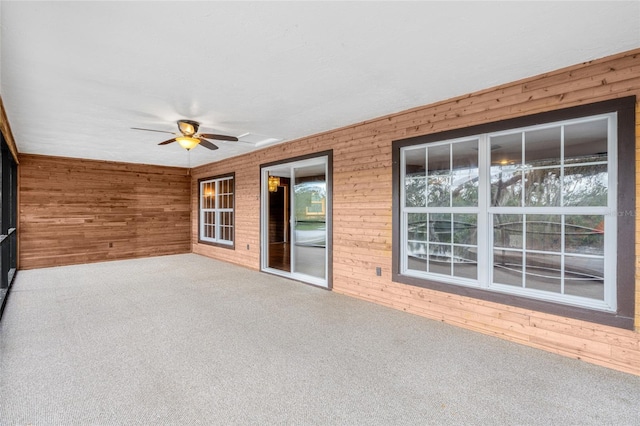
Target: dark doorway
(279, 233)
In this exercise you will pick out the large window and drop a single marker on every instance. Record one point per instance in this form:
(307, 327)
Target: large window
(217, 210)
(531, 212)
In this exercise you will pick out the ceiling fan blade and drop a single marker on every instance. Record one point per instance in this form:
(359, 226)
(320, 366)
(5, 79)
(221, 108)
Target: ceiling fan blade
(151, 130)
(219, 137)
(167, 141)
(207, 144)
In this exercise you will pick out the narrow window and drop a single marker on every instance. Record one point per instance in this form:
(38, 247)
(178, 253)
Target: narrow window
(216, 224)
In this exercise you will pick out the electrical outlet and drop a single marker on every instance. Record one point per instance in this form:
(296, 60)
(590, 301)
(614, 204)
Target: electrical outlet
(378, 271)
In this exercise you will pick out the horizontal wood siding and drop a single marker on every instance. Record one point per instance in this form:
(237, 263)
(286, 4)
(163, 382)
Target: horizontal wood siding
(80, 211)
(362, 219)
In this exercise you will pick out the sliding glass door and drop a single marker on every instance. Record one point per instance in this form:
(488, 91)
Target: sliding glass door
(295, 220)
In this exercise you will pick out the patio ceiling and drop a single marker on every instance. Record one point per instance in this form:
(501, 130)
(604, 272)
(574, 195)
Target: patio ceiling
(75, 77)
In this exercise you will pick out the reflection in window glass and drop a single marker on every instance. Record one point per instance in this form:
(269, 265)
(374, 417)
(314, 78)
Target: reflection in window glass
(465, 239)
(439, 160)
(417, 237)
(440, 259)
(441, 242)
(508, 231)
(438, 191)
(465, 262)
(415, 183)
(584, 234)
(584, 277)
(440, 227)
(544, 232)
(542, 187)
(464, 175)
(543, 272)
(542, 147)
(506, 186)
(585, 185)
(450, 180)
(439, 176)
(586, 142)
(506, 150)
(507, 267)
(465, 229)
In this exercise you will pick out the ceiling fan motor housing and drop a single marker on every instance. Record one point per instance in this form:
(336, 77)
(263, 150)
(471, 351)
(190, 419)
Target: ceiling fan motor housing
(188, 127)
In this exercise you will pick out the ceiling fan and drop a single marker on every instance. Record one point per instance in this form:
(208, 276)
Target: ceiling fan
(189, 138)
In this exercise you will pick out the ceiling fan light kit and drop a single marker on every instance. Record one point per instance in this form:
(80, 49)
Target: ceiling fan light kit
(188, 142)
(189, 137)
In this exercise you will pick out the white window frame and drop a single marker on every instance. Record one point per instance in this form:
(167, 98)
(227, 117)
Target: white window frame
(486, 213)
(217, 211)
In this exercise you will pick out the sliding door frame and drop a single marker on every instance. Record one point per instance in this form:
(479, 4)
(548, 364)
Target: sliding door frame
(264, 225)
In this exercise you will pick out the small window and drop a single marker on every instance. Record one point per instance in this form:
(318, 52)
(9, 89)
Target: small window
(217, 210)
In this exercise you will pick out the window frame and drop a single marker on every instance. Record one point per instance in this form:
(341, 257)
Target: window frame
(8, 221)
(623, 316)
(219, 242)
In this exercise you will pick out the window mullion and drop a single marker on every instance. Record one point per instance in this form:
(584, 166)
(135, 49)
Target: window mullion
(218, 184)
(450, 186)
(523, 175)
(523, 193)
(562, 253)
(202, 214)
(611, 218)
(485, 252)
(562, 216)
(426, 177)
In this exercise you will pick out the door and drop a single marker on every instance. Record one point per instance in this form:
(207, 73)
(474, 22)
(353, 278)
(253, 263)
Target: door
(295, 220)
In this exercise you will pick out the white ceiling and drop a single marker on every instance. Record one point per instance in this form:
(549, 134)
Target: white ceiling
(75, 77)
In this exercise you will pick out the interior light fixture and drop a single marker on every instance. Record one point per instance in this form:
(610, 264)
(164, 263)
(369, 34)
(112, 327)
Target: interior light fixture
(274, 183)
(187, 142)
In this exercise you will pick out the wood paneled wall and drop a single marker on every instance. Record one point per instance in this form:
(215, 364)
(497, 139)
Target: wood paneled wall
(80, 211)
(363, 196)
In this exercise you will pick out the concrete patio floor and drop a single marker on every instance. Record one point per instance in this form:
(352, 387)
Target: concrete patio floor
(184, 339)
